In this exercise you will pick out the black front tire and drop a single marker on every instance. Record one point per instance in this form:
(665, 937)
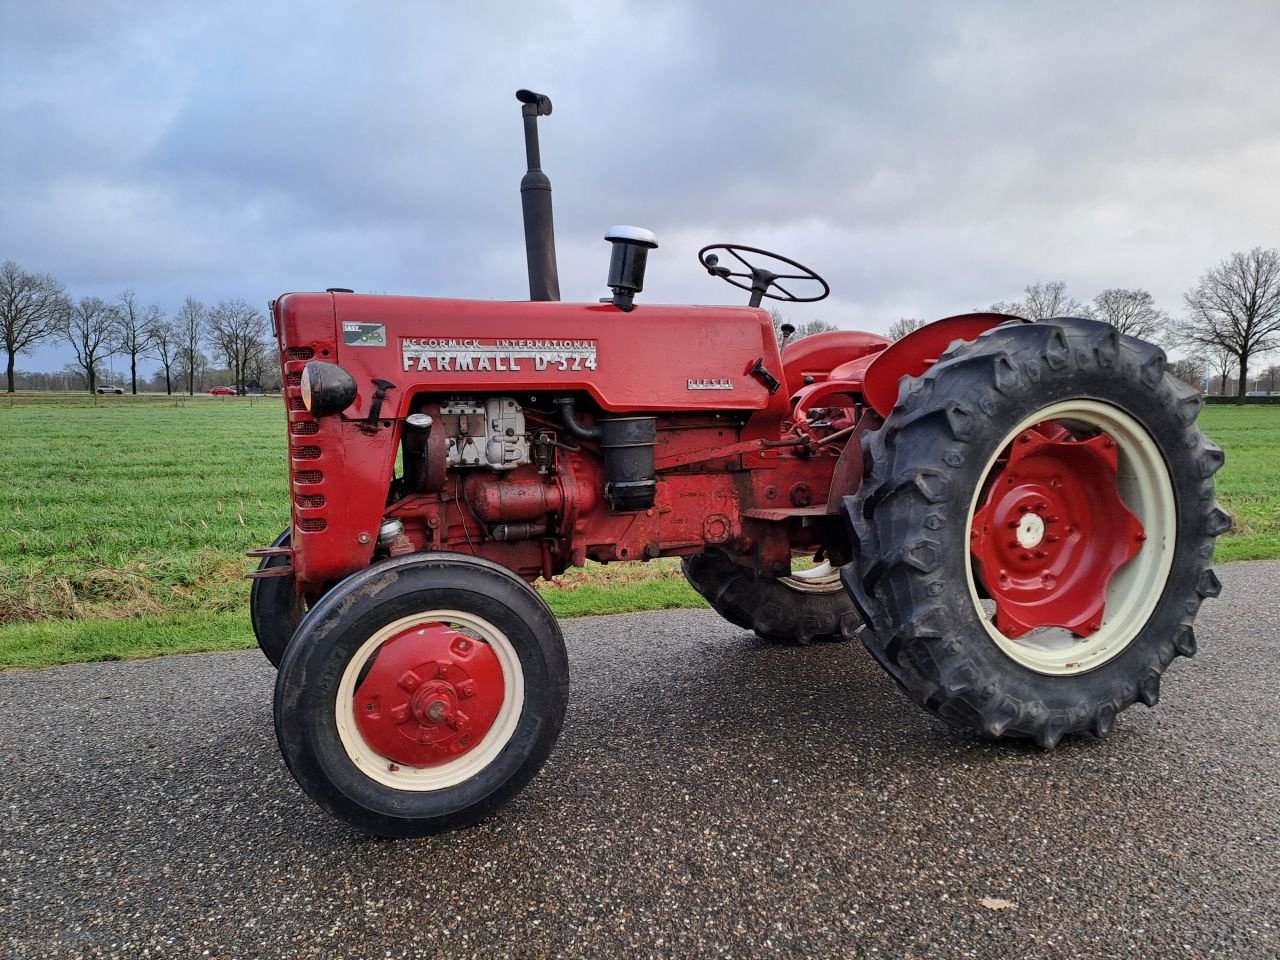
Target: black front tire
(329, 639)
(275, 608)
(909, 524)
(775, 610)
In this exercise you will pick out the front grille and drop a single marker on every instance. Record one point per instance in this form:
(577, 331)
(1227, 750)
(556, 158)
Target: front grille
(308, 495)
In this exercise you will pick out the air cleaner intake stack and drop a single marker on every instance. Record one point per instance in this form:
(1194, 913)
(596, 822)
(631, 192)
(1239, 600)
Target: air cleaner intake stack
(631, 246)
(535, 197)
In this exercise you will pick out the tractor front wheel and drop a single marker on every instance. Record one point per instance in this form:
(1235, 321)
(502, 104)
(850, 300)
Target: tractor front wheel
(275, 608)
(421, 694)
(810, 605)
(1034, 537)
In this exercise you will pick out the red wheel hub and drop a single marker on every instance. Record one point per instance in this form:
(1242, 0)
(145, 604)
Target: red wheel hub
(1051, 531)
(431, 694)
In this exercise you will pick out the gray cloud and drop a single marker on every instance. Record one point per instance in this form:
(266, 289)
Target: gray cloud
(927, 158)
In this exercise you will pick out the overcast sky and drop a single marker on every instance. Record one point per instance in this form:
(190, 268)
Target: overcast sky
(926, 158)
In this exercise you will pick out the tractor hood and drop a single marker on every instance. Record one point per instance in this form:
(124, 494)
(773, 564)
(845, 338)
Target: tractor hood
(653, 357)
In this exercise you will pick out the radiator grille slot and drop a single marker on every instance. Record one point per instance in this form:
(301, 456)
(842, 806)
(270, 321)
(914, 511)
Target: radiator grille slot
(295, 403)
(299, 353)
(306, 453)
(294, 379)
(310, 524)
(308, 476)
(305, 428)
(309, 501)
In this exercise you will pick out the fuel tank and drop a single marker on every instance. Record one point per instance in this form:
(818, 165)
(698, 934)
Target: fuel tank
(652, 358)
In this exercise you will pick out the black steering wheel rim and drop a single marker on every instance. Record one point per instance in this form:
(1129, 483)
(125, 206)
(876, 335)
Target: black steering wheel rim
(804, 274)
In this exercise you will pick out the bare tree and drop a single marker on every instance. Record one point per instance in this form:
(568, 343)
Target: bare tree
(1132, 312)
(132, 328)
(262, 367)
(802, 330)
(32, 306)
(1044, 300)
(904, 325)
(190, 326)
(1270, 376)
(1190, 370)
(1236, 308)
(813, 326)
(165, 341)
(89, 326)
(236, 331)
(192, 369)
(1220, 363)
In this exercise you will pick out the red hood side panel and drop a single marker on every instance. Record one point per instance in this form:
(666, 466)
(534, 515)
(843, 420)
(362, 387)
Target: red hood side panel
(652, 358)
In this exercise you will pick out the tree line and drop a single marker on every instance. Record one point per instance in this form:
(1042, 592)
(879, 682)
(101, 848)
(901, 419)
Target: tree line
(1231, 320)
(35, 308)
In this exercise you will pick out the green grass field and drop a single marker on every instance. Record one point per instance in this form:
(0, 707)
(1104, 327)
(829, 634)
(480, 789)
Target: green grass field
(124, 522)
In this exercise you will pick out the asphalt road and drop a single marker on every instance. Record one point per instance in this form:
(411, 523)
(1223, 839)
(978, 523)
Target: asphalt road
(711, 796)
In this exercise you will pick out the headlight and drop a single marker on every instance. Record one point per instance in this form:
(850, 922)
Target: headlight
(326, 388)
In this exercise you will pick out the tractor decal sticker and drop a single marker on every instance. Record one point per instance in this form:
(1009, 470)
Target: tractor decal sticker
(481, 355)
(710, 383)
(363, 334)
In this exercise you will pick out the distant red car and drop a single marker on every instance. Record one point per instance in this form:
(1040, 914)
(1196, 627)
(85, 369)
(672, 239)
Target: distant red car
(223, 391)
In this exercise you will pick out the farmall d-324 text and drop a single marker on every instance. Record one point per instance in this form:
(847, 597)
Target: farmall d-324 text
(1016, 518)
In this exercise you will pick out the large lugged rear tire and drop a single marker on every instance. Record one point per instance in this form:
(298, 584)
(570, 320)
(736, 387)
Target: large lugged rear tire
(421, 694)
(801, 609)
(1035, 531)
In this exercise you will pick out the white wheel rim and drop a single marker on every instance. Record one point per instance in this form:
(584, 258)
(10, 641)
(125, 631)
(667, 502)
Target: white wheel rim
(822, 578)
(453, 772)
(1145, 486)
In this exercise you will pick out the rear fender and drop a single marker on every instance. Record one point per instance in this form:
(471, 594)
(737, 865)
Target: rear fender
(917, 352)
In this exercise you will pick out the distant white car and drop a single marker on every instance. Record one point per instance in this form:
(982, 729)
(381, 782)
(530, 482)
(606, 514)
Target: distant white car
(109, 388)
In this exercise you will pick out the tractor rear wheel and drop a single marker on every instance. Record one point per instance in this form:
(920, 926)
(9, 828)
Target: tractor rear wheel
(421, 694)
(1034, 536)
(810, 605)
(275, 608)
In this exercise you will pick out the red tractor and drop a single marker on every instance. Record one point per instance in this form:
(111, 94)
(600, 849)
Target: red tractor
(1016, 518)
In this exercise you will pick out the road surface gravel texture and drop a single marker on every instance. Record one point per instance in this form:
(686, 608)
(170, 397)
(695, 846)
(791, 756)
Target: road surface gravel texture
(712, 796)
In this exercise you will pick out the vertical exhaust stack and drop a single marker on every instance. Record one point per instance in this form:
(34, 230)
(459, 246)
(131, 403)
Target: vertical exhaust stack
(535, 196)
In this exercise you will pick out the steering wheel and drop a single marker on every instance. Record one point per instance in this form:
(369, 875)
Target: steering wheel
(760, 278)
